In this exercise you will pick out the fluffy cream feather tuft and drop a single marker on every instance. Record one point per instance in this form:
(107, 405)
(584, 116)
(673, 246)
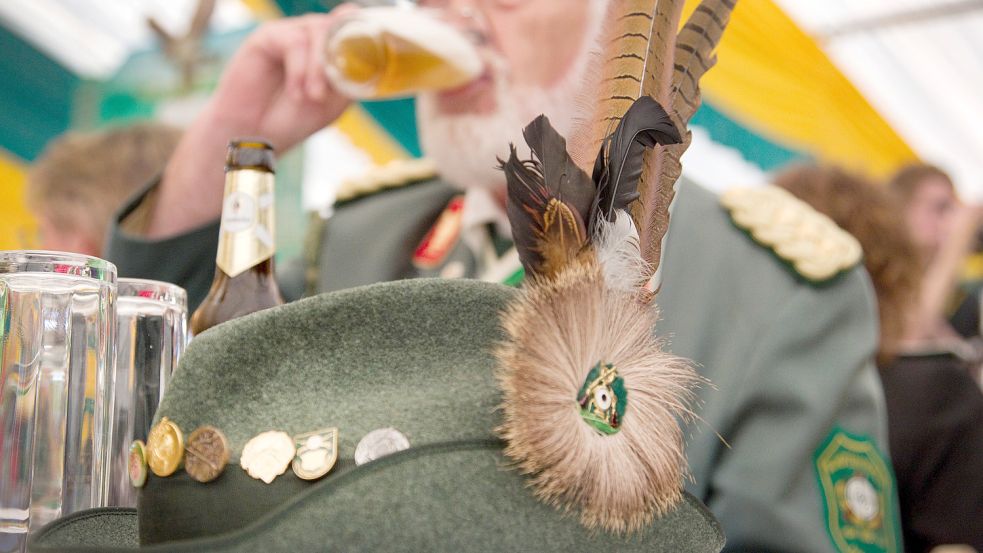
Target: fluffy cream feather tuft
(556, 331)
(619, 253)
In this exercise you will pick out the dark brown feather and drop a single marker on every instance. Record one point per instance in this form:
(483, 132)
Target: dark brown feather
(562, 177)
(549, 200)
(618, 166)
(692, 57)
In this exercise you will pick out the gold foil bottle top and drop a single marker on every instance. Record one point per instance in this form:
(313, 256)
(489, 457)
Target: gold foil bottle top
(250, 153)
(246, 233)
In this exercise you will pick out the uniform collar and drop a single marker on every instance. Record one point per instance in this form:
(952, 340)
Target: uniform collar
(481, 209)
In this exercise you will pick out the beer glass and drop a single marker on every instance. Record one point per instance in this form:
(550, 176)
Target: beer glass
(388, 52)
(57, 312)
(151, 333)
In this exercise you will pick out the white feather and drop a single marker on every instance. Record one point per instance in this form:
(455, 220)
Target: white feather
(619, 253)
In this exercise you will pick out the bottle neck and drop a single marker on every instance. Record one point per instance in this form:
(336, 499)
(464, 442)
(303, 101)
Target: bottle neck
(246, 236)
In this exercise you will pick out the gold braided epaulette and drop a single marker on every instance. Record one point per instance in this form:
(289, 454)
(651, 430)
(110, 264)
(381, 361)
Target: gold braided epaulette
(394, 174)
(808, 241)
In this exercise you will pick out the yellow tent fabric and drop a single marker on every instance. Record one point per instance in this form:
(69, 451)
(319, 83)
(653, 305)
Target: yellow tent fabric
(773, 78)
(17, 226)
(365, 133)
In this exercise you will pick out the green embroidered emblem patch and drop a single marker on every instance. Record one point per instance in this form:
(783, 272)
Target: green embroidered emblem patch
(603, 398)
(857, 487)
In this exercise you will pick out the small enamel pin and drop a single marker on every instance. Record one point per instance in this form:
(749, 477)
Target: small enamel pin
(603, 398)
(316, 454)
(137, 464)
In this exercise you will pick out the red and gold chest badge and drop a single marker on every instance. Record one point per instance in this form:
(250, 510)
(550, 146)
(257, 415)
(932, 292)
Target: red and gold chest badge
(442, 237)
(858, 491)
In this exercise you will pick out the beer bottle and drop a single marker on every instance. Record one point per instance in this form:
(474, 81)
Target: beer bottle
(244, 280)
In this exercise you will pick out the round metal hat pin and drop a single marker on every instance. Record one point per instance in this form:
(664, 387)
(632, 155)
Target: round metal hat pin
(378, 444)
(165, 448)
(206, 453)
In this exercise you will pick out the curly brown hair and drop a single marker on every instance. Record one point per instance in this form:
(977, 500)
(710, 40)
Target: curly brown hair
(81, 177)
(872, 214)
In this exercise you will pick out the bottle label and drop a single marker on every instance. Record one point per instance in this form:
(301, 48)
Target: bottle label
(246, 233)
(238, 212)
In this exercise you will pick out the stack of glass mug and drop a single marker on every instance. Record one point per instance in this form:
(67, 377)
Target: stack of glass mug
(84, 360)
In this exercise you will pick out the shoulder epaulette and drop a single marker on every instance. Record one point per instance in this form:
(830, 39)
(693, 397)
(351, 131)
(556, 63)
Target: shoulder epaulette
(394, 174)
(809, 241)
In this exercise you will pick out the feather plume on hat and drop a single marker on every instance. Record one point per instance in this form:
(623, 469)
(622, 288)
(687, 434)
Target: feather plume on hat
(591, 402)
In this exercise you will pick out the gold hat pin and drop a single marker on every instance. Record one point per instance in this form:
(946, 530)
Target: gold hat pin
(165, 448)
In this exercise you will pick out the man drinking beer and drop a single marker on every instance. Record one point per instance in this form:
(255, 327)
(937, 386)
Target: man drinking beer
(791, 355)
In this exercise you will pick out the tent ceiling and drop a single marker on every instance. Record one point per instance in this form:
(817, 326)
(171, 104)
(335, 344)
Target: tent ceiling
(918, 63)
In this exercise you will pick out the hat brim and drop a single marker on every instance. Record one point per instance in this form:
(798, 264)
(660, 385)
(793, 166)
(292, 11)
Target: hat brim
(453, 496)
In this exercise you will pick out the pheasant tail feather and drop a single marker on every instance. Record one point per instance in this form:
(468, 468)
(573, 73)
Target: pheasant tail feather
(693, 56)
(659, 60)
(695, 53)
(615, 75)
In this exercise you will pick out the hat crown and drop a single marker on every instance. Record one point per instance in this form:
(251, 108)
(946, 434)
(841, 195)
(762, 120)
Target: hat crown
(411, 355)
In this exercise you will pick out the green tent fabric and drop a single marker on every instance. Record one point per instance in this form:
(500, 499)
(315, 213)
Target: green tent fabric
(36, 94)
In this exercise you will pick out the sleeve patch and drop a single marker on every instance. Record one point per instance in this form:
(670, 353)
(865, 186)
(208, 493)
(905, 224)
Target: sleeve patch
(858, 492)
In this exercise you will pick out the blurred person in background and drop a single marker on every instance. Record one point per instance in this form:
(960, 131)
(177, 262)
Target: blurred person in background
(935, 410)
(870, 214)
(944, 231)
(82, 178)
(929, 202)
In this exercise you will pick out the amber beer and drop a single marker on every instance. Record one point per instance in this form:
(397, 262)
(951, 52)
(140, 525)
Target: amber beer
(396, 51)
(244, 280)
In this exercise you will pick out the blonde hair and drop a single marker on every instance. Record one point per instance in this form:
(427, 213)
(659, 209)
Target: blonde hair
(872, 214)
(82, 178)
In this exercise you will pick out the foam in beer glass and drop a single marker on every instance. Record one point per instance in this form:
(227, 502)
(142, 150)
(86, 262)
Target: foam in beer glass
(389, 52)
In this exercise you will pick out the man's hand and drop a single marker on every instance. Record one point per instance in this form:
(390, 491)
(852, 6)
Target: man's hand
(275, 84)
(273, 87)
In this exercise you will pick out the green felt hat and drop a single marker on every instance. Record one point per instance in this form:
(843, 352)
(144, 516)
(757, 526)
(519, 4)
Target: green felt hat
(412, 355)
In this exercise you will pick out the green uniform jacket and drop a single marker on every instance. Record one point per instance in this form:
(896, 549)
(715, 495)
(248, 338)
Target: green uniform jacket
(369, 239)
(790, 362)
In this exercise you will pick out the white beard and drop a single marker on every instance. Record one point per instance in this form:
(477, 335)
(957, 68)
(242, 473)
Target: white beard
(466, 147)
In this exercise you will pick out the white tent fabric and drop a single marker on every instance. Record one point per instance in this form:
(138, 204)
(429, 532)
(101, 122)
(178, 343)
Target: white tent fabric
(917, 61)
(920, 64)
(94, 37)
